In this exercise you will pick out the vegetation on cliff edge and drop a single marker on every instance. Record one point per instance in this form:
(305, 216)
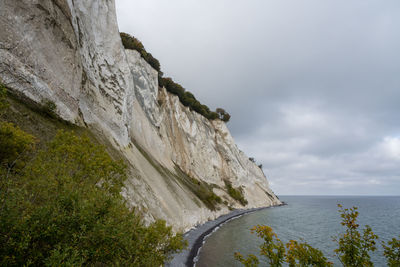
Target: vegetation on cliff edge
(185, 97)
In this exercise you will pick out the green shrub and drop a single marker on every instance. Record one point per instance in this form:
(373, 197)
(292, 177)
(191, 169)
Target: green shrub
(65, 208)
(235, 193)
(188, 99)
(272, 248)
(153, 62)
(212, 115)
(302, 254)
(392, 252)
(354, 247)
(226, 117)
(48, 108)
(223, 115)
(201, 189)
(130, 42)
(3, 97)
(13, 144)
(173, 87)
(206, 194)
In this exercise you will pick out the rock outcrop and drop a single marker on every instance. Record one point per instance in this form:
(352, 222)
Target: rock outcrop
(70, 52)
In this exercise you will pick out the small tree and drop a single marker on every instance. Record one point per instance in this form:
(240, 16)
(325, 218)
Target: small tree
(392, 252)
(226, 117)
(302, 254)
(223, 115)
(250, 261)
(13, 143)
(272, 248)
(354, 247)
(220, 111)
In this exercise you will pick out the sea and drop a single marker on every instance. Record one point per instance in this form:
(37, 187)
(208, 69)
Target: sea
(314, 219)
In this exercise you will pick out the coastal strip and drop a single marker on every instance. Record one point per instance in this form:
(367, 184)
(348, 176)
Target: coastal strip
(196, 236)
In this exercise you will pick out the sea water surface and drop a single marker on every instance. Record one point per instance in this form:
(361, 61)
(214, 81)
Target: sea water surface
(314, 219)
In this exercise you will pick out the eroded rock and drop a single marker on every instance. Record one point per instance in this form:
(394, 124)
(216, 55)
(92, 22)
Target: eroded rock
(70, 52)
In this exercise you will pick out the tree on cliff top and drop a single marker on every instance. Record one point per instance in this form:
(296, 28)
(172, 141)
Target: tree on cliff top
(223, 115)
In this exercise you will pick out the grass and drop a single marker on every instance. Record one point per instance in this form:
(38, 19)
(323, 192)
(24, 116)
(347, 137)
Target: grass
(235, 193)
(37, 120)
(202, 190)
(40, 120)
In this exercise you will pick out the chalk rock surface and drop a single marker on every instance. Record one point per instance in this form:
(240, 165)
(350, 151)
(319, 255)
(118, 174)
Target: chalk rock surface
(69, 52)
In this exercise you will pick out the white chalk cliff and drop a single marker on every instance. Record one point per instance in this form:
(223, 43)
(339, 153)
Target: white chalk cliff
(70, 52)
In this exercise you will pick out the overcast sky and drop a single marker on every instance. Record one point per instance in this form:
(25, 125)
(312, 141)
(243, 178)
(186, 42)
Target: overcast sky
(313, 86)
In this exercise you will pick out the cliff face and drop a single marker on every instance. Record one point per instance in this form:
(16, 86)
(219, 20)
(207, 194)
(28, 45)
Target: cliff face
(69, 52)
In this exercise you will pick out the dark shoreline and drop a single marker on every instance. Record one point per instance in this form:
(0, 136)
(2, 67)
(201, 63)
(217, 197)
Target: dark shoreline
(196, 236)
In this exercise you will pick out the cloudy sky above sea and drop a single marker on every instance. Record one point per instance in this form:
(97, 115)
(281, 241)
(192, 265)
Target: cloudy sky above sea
(313, 86)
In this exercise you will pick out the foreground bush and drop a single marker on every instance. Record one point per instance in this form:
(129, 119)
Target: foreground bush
(392, 252)
(3, 95)
(64, 208)
(273, 249)
(14, 144)
(354, 247)
(353, 250)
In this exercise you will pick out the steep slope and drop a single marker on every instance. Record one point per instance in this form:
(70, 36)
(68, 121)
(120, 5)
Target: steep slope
(181, 164)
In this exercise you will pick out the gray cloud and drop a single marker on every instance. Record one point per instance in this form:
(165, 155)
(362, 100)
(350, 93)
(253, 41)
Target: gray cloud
(313, 86)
